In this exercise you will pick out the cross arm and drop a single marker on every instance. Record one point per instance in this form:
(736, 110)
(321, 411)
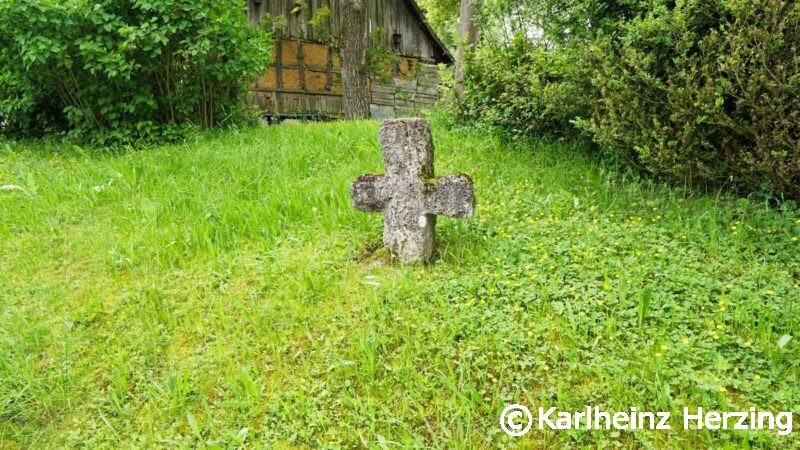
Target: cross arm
(369, 193)
(452, 196)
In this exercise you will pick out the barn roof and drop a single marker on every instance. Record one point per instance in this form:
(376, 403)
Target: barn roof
(445, 55)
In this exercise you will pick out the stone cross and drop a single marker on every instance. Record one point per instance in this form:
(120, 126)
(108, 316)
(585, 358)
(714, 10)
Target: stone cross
(408, 194)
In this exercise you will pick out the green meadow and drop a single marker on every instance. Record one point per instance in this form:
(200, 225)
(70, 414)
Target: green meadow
(222, 293)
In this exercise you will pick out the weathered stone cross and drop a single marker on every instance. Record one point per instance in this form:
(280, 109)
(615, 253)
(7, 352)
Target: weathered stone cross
(408, 194)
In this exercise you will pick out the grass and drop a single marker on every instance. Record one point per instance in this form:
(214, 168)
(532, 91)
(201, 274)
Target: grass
(221, 294)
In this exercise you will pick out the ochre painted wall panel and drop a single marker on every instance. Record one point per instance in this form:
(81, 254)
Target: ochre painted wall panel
(289, 53)
(315, 55)
(268, 80)
(316, 81)
(291, 79)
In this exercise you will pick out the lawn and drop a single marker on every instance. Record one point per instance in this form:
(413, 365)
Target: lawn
(222, 293)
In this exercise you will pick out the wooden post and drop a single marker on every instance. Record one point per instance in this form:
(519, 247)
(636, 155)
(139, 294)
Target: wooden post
(279, 63)
(329, 68)
(301, 65)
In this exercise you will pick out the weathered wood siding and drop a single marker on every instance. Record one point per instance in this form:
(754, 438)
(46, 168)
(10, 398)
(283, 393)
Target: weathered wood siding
(406, 93)
(394, 17)
(305, 79)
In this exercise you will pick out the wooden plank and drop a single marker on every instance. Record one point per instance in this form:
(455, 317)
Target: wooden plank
(381, 102)
(303, 103)
(427, 98)
(329, 69)
(383, 89)
(404, 101)
(279, 63)
(383, 96)
(336, 17)
(427, 91)
(297, 91)
(428, 76)
(301, 64)
(405, 84)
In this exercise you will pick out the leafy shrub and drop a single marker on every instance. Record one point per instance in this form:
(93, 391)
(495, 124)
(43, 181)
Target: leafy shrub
(116, 70)
(699, 90)
(706, 90)
(320, 24)
(525, 89)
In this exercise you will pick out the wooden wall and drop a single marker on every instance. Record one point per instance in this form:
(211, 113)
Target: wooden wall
(413, 88)
(306, 81)
(392, 16)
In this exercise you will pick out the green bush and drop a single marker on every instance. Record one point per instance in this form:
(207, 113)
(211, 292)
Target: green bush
(118, 70)
(704, 91)
(707, 90)
(525, 89)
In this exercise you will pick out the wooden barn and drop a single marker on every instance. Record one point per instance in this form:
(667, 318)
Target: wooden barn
(305, 79)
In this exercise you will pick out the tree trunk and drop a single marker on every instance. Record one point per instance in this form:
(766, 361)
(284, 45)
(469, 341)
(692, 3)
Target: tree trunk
(467, 42)
(354, 53)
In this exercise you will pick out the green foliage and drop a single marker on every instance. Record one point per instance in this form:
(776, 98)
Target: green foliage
(702, 91)
(274, 25)
(442, 15)
(380, 60)
(116, 70)
(707, 91)
(525, 89)
(320, 24)
(215, 294)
